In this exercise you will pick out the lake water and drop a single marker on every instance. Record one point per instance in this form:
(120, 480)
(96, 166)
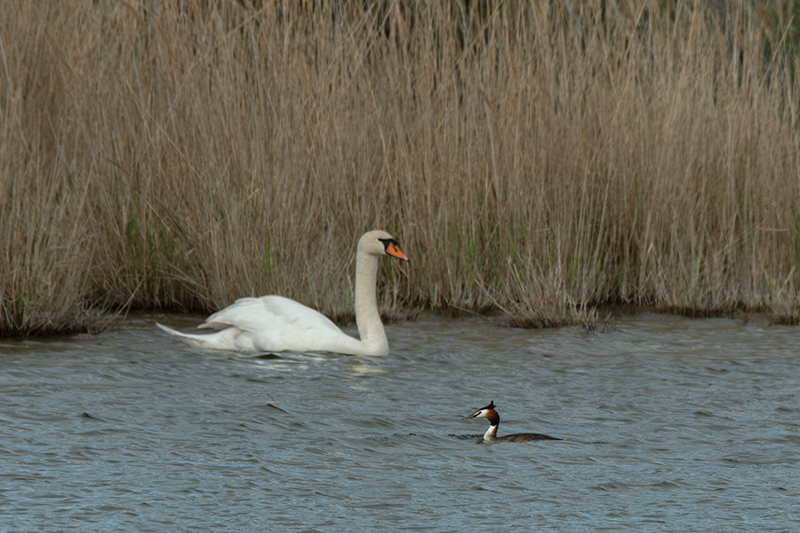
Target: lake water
(672, 425)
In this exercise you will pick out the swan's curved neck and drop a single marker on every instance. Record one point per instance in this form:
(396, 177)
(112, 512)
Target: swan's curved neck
(368, 319)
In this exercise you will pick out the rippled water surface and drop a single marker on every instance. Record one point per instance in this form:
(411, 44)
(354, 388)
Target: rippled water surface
(672, 425)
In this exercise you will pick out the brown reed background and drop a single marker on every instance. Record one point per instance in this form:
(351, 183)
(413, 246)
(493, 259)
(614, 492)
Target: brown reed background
(532, 158)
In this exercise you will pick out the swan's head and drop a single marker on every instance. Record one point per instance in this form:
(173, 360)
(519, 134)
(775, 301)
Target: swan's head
(379, 242)
(487, 412)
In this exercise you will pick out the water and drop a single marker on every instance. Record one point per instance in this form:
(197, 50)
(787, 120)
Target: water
(673, 425)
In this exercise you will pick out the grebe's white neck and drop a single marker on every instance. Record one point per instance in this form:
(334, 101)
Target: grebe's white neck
(491, 433)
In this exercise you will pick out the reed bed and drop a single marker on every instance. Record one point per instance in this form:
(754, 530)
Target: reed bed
(541, 159)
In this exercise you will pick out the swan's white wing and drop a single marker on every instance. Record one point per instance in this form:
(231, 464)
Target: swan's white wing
(269, 313)
(273, 324)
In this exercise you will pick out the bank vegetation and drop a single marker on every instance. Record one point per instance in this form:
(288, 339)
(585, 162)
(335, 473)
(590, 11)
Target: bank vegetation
(543, 160)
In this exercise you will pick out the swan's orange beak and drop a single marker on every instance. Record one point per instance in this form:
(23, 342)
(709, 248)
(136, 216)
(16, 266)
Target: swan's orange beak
(395, 251)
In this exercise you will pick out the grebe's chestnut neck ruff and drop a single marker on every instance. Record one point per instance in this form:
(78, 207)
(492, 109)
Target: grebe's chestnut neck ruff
(490, 414)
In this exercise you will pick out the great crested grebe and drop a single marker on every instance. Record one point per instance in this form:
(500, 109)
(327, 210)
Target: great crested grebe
(489, 413)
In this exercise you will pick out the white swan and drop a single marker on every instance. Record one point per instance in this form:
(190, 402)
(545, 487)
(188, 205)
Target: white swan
(278, 324)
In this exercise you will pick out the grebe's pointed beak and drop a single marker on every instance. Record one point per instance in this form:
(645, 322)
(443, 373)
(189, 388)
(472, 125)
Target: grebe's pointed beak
(482, 411)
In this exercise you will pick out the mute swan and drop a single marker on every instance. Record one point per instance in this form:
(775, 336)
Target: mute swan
(278, 324)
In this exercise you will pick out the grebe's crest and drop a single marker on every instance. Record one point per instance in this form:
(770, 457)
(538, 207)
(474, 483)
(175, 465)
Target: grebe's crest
(483, 412)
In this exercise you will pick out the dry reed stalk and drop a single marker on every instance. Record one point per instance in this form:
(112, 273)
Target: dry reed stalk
(530, 158)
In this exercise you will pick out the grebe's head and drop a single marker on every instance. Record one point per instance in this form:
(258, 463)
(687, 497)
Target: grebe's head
(486, 412)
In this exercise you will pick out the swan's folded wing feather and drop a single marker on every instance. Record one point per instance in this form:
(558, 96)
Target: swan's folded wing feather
(268, 313)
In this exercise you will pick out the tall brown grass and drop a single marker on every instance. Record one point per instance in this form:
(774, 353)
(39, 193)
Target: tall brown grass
(533, 158)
